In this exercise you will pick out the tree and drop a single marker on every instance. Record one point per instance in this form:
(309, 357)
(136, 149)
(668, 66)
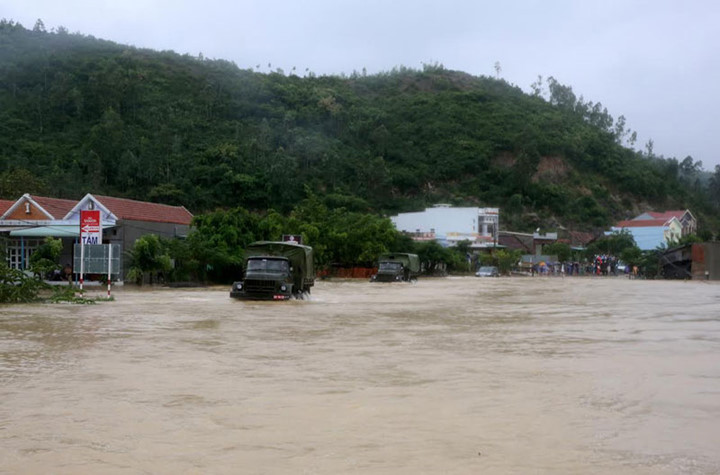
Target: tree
(219, 239)
(434, 258)
(559, 249)
(537, 86)
(45, 258)
(498, 69)
(507, 259)
(714, 187)
(631, 256)
(613, 244)
(15, 182)
(39, 26)
(148, 258)
(16, 286)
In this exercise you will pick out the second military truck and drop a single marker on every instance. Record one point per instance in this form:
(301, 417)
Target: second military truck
(397, 267)
(275, 271)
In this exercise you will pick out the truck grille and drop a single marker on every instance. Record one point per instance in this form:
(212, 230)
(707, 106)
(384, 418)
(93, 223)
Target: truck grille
(386, 277)
(259, 286)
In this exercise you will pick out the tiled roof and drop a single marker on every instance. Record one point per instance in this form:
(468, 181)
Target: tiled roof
(144, 211)
(642, 223)
(5, 205)
(57, 207)
(579, 237)
(667, 214)
(514, 242)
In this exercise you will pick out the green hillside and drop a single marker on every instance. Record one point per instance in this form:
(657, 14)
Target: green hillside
(79, 114)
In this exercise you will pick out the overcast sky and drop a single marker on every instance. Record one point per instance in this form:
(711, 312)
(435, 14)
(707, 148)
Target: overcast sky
(655, 62)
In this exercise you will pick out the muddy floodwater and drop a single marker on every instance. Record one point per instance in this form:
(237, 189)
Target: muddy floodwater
(460, 375)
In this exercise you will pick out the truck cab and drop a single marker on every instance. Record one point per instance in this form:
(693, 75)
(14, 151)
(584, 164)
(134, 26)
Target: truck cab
(397, 267)
(265, 278)
(275, 271)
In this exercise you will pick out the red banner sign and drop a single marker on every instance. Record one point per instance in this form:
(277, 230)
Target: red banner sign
(90, 227)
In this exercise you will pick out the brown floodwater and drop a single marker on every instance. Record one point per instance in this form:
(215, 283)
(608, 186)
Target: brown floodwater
(459, 375)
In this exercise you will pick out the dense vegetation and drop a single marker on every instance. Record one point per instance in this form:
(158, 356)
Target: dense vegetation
(80, 114)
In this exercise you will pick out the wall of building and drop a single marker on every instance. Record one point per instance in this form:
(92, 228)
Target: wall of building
(448, 223)
(706, 261)
(647, 238)
(20, 213)
(128, 231)
(673, 232)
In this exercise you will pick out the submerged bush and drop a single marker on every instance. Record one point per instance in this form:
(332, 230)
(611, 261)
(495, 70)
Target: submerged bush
(16, 286)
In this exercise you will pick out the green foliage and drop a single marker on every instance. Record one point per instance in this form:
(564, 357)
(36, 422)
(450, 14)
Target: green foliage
(44, 259)
(650, 264)
(613, 244)
(81, 114)
(18, 287)
(687, 239)
(631, 256)
(434, 258)
(559, 249)
(219, 239)
(148, 257)
(507, 260)
(68, 294)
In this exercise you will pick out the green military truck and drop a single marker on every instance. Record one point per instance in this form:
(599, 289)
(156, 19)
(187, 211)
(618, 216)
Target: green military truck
(275, 271)
(397, 267)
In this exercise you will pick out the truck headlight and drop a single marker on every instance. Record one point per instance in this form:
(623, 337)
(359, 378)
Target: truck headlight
(239, 286)
(283, 287)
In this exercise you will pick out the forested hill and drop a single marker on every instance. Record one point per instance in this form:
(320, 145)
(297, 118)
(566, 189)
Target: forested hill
(79, 114)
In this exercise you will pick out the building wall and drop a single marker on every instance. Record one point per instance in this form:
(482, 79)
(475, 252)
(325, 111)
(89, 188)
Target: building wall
(444, 222)
(706, 261)
(128, 231)
(689, 224)
(673, 232)
(20, 214)
(647, 238)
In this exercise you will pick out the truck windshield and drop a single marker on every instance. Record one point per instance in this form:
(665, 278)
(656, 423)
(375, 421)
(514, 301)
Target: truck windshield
(267, 265)
(390, 266)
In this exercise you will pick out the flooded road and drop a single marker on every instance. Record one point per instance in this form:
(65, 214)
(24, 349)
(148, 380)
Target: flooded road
(459, 375)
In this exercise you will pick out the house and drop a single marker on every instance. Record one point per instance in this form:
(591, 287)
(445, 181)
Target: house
(697, 261)
(449, 225)
(27, 222)
(651, 233)
(686, 218)
(534, 243)
(5, 205)
(517, 241)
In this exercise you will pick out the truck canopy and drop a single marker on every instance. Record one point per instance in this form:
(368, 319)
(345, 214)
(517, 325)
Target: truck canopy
(410, 261)
(300, 257)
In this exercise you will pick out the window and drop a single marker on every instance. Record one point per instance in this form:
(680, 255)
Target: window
(19, 252)
(267, 265)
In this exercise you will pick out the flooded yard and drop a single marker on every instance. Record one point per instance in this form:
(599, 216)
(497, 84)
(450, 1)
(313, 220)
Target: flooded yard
(456, 375)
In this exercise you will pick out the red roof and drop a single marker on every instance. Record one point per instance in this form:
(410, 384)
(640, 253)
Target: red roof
(582, 238)
(143, 211)
(57, 207)
(641, 223)
(667, 214)
(5, 205)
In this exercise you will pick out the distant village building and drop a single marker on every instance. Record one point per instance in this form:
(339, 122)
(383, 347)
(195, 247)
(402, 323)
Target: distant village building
(532, 243)
(651, 233)
(27, 222)
(687, 221)
(448, 225)
(652, 229)
(698, 261)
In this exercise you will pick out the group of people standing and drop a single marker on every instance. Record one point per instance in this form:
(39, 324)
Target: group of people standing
(602, 265)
